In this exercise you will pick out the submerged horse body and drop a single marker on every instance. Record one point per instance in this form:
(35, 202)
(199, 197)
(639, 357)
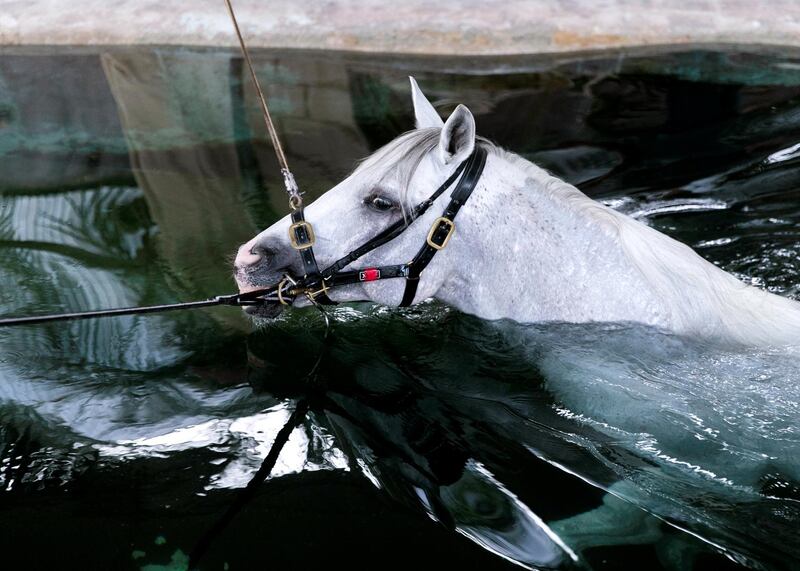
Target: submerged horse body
(527, 246)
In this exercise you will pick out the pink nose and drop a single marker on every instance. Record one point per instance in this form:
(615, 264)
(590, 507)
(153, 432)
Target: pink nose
(248, 255)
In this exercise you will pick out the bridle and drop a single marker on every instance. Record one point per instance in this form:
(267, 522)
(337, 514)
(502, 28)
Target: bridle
(315, 283)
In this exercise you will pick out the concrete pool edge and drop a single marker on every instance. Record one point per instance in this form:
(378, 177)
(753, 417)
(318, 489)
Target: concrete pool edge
(466, 28)
(477, 63)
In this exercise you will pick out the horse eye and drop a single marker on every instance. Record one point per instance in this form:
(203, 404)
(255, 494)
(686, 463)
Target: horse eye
(379, 203)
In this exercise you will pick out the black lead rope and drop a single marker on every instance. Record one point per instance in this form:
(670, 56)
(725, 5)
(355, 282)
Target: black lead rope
(106, 313)
(256, 297)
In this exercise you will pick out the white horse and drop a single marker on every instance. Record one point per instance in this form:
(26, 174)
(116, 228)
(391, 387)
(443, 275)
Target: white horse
(528, 246)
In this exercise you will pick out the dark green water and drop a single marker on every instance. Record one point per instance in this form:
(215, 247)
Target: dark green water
(130, 176)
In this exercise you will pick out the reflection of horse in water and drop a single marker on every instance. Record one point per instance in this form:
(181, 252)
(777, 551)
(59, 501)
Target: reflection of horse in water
(451, 418)
(702, 436)
(528, 246)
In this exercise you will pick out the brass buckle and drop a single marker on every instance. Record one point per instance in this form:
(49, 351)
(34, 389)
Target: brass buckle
(451, 228)
(281, 287)
(309, 233)
(313, 294)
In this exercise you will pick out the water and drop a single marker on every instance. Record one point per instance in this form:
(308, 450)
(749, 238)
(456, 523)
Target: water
(130, 176)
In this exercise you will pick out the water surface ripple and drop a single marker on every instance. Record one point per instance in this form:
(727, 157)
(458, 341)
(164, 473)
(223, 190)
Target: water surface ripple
(433, 438)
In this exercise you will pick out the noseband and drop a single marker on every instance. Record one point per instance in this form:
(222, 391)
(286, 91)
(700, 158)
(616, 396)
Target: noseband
(315, 284)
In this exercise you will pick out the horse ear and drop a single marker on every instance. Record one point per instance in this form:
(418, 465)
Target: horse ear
(424, 112)
(458, 136)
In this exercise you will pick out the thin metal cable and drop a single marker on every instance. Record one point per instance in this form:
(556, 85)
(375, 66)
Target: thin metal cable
(312, 374)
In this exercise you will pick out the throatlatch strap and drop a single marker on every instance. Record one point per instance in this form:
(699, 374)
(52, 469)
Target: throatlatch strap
(444, 226)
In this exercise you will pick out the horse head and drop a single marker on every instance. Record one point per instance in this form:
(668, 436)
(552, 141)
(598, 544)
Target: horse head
(528, 246)
(379, 193)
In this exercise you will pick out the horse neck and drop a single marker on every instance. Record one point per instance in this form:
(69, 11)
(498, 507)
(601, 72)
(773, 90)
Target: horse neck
(537, 249)
(545, 250)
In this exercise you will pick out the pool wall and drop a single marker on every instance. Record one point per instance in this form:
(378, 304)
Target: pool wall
(476, 27)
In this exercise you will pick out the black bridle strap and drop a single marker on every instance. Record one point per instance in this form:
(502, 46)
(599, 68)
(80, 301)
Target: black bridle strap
(302, 238)
(437, 238)
(347, 277)
(444, 226)
(395, 229)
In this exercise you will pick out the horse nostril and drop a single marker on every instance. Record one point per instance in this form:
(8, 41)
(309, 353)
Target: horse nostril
(254, 253)
(249, 255)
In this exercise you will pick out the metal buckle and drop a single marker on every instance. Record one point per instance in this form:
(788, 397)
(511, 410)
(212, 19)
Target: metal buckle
(313, 294)
(451, 228)
(286, 279)
(297, 245)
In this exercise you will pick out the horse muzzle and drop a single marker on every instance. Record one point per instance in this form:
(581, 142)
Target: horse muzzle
(264, 263)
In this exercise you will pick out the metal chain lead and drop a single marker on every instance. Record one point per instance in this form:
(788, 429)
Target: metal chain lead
(295, 200)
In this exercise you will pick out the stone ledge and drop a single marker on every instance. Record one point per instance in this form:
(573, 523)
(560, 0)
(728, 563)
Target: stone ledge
(468, 27)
